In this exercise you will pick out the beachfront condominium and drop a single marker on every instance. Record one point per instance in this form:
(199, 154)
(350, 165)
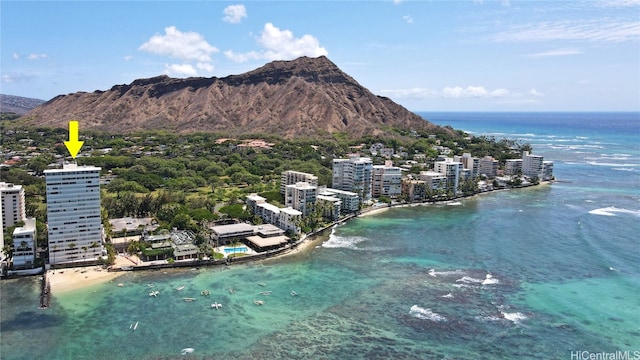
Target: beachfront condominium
(291, 177)
(386, 180)
(301, 196)
(13, 207)
(532, 165)
(451, 170)
(73, 213)
(25, 245)
(353, 174)
(489, 167)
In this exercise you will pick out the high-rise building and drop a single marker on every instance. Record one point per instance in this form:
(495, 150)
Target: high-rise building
(301, 196)
(353, 174)
(532, 165)
(291, 177)
(451, 170)
(489, 167)
(73, 213)
(13, 207)
(386, 180)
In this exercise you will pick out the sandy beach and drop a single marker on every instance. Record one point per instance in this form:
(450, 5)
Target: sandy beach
(63, 280)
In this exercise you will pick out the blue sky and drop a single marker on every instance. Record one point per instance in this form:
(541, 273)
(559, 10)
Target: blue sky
(426, 55)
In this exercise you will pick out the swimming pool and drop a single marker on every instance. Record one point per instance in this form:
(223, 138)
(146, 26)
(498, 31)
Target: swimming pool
(235, 249)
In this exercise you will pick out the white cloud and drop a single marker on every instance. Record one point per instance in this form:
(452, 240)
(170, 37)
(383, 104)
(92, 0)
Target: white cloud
(280, 44)
(15, 78)
(559, 52)
(243, 57)
(472, 92)
(180, 69)
(591, 30)
(454, 92)
(128, 57)
(408, 19)
(36, 56)
(181, 45)
(234, 13)
(397, 1)
(16, 56)
(535, 92)
(205, 66)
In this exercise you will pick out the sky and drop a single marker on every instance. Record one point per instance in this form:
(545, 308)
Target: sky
(462, 55)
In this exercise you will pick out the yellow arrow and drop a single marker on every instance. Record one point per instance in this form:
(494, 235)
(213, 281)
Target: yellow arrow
(73, 145)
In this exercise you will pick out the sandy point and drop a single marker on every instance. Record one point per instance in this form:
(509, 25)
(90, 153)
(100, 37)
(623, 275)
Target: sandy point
(63, 280)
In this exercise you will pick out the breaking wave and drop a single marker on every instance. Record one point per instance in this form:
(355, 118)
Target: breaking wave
(425, 314)
(347, 242)
(613, 211)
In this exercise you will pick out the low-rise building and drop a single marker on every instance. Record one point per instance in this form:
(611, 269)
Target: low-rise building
(350, 201)
(25, 245)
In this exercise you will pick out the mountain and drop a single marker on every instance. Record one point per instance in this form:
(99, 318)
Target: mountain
(302, 97)
(18, 104)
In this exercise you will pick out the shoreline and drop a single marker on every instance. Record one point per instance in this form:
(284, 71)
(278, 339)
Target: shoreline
(69, 279)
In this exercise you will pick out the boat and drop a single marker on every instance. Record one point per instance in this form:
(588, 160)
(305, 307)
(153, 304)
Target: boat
(186, 351)
(189, 299)
(258, 302)
(216, 305)
(180, 288)
(265, 293)
(232, 290)
(204, 292)
(120, 285)
(293, 293)
(154, 293)
(135, 326)
(150, 285)
(262, 284)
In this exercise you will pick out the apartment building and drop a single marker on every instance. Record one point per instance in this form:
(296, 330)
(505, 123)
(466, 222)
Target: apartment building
(73, 213)
(451, 170)
(532, 165)
(301, 196)
(25, 245)
(489, 167)
(291, 177)
(353, 174)
(13, 204)
(386, 180)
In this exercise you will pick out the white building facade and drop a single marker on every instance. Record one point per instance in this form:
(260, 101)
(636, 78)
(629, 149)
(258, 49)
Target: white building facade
(13, 204)
(532, 165)
(301, 196)
(451, 170)
(73, 213)
(353, 174)
(291, 177)
(386, 181)
(25, 244)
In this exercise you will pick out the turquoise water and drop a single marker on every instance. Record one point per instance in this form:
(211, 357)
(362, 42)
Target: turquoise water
(531, 273)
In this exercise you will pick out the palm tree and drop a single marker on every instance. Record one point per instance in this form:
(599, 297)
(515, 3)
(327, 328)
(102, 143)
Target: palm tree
(84, 248)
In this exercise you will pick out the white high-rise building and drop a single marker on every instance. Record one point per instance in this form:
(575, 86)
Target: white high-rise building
(489, 167)
(353, 174)
(532, 165)
(451, 170)
(386, 180)
(301, 196)
(73, 213)
(13, 208)
(291, 177)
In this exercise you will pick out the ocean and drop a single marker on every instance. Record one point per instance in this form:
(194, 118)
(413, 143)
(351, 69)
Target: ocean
(551, 271)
